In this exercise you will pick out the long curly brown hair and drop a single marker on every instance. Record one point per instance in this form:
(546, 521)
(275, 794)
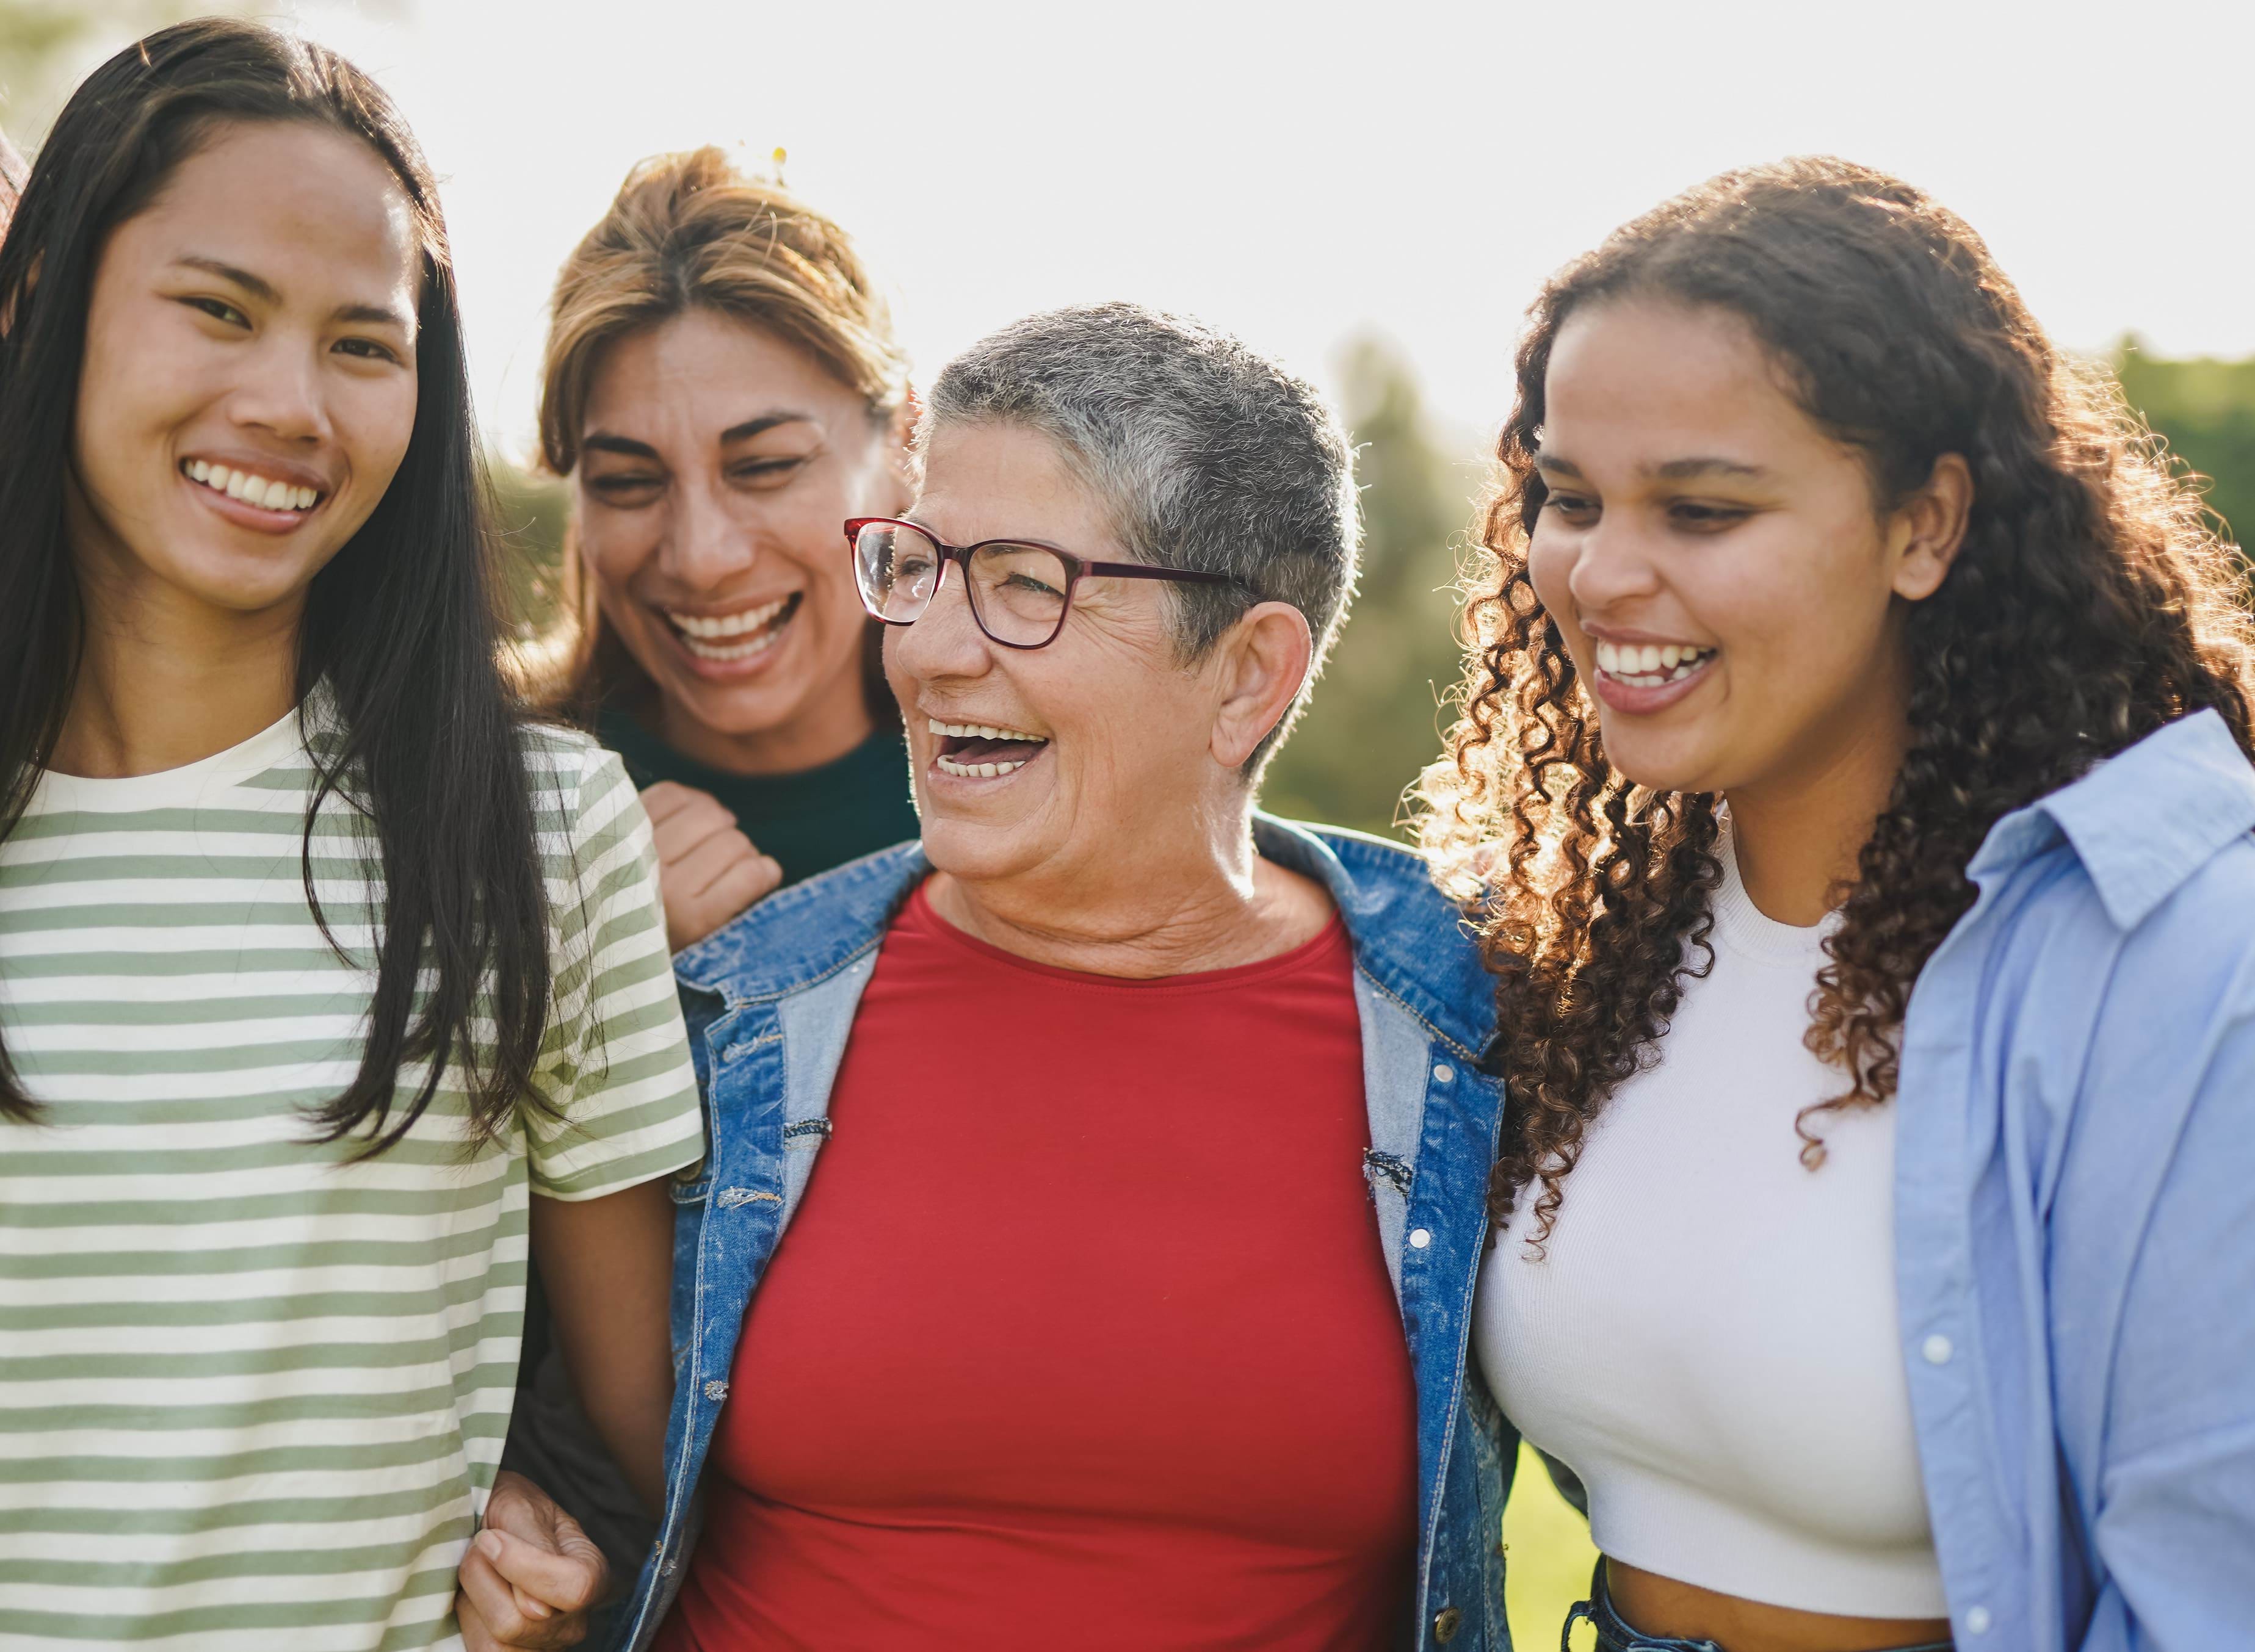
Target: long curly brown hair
(2091, 603)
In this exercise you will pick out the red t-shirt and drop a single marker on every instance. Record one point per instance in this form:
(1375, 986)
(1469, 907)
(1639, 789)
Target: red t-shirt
(1081, 1337)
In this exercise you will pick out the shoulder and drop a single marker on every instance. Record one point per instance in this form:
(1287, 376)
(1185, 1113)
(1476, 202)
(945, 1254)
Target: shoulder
(2122, 1032)
(552, 747)
(2198, 947)
(578, 788)
(1410, 938)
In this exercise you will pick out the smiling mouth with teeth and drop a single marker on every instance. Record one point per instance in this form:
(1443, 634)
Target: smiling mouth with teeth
(981, 750)
(250, 488)
(1650, 666)
(735, 636)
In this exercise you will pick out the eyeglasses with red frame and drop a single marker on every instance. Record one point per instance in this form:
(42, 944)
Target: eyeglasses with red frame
(1019, 590)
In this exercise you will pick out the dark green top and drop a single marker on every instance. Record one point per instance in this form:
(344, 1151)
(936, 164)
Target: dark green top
(810, 821)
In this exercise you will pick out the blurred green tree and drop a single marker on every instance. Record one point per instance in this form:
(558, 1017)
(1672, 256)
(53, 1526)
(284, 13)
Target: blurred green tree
(530, 514)
(1375, 719)
(47, 46)
(2205, 410)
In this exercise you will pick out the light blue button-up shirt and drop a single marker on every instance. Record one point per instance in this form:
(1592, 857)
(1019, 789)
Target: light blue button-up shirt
(2075, 1214)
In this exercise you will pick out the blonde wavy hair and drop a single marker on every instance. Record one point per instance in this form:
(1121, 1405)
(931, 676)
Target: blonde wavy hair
(692, 231)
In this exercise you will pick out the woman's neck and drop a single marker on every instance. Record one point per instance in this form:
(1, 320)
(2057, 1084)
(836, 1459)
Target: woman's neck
(165, 680)
(1798, 837)
(1210, 904)
(835, 722)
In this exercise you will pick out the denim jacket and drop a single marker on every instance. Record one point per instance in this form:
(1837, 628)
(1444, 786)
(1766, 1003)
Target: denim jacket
(770, 1002)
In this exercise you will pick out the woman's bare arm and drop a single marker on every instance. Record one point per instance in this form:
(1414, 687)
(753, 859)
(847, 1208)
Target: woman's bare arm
(608, 1266)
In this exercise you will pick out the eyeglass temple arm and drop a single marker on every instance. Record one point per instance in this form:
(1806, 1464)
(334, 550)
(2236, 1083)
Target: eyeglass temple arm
(1145, 570)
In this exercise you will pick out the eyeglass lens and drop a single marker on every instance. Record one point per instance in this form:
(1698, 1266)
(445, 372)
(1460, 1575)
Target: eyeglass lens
(1017, 592)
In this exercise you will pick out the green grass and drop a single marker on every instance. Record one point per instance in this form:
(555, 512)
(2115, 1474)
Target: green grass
(1547, 1556)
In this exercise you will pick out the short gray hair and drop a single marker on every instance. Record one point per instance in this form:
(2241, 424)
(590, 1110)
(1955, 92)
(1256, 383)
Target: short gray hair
(1207, 455)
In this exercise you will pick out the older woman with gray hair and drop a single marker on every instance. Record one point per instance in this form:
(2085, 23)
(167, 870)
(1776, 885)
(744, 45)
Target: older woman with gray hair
(1093, 1206)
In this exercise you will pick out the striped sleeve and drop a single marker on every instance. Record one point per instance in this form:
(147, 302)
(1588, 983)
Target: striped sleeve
(618, 1097)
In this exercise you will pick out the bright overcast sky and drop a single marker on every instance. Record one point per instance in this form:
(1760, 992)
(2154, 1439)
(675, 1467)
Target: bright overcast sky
(1298, 172)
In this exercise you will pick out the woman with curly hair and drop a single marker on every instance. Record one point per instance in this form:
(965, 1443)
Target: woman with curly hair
(1856, 750)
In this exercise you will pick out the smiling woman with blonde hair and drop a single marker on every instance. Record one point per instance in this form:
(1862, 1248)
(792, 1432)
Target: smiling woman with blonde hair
(720, 386)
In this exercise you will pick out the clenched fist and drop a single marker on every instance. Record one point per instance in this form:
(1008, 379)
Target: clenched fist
(708, 870)
(531, 1576)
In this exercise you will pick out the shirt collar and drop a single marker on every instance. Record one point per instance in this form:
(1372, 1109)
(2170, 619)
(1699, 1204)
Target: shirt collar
(2142, 821)
(1406, 934)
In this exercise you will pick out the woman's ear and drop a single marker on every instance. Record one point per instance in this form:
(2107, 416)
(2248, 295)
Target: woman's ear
(1930, 526)
(1264, 660)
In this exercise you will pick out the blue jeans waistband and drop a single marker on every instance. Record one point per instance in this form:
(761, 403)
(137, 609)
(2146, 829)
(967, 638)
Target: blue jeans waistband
(1614, 1634)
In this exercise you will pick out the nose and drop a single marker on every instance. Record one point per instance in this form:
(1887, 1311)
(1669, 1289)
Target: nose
(945, 642)
(282, 393)
(1612, 565)
(706, 543)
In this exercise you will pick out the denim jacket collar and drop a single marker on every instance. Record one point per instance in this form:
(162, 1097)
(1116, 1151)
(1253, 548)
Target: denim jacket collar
(771, 1001)
(812, 930)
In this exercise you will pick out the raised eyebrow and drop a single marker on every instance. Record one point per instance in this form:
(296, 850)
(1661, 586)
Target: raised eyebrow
(604, 442)
(257, 286)
(766, 422)
(265, 292)
(379, 315)
(1678, 470)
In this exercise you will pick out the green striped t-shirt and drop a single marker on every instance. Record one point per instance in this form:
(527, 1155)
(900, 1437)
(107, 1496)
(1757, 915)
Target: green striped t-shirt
(252, 1395)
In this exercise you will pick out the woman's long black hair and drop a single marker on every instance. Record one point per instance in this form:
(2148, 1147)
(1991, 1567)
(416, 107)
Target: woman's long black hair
(401, 625)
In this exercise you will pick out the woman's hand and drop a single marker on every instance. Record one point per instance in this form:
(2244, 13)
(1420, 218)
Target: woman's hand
(529, 1576)
(708, 870)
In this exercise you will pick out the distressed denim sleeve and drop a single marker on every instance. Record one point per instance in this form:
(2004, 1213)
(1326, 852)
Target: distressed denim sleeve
(2176, 1524)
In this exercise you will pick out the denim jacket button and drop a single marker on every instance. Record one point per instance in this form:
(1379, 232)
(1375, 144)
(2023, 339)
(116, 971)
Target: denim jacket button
(1937, 1350)
(1444, 1073)
(1977, 1621)
(716, 1391)
(1420, 1237)
(1446, 1622)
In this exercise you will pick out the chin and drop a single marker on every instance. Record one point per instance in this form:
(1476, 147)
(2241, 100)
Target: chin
(238, 589)
(974, 852)
(739, 711)
(1660, 765)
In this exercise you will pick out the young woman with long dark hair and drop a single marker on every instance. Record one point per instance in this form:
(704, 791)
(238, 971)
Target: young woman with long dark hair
(1856, 767)
(317, 960)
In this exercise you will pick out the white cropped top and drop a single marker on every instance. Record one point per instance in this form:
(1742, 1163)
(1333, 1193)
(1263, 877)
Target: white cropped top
(1711, 1341)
